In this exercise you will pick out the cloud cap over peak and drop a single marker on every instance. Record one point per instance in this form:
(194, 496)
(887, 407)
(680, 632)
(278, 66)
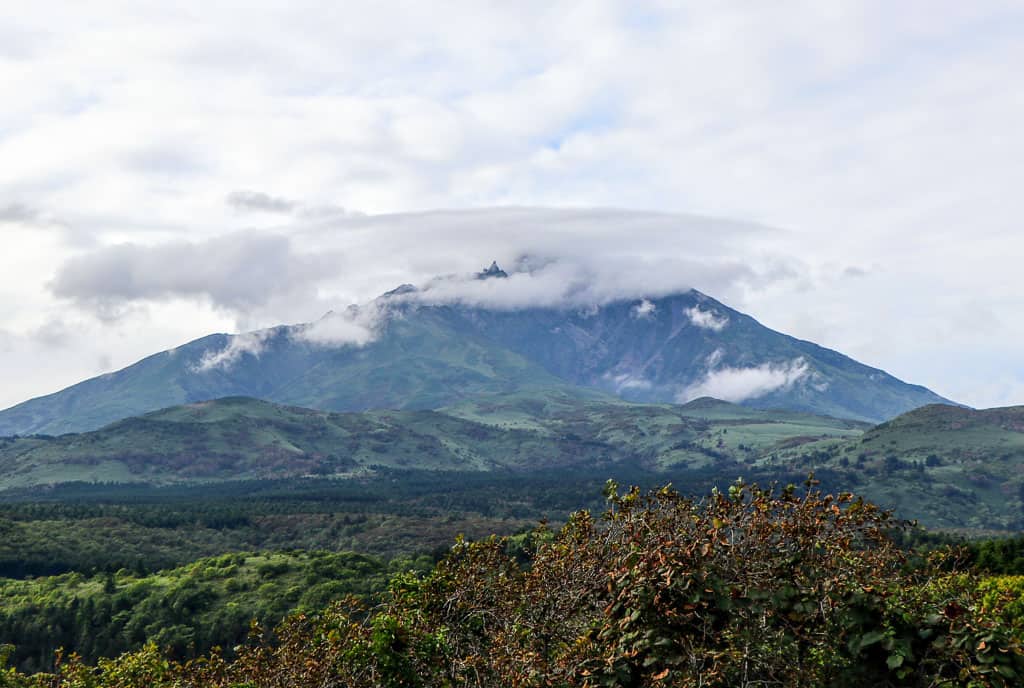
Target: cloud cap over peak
(290, 274)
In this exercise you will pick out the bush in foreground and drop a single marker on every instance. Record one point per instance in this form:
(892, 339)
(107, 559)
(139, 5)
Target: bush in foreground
(749, 588)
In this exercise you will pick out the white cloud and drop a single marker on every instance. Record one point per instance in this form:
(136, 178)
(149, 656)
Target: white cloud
(708, 320)
(356, 325)
(644, 309)
(627, 381)
(239, 345)
(276, 276)
(741, 384)
(714, 358)
(242, 273)
(900, 122)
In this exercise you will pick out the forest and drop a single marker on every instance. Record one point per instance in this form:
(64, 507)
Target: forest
(791, 585)
(92, 528)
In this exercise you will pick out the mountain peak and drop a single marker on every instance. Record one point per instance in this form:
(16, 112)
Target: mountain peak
(399, 290)
(493, 271)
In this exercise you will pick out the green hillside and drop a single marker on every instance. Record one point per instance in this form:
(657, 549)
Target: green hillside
(416, 363)
(948, 466)
(431, 356)
(243, 439)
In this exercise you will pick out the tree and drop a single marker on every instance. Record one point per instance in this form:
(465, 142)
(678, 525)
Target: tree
(746, 588)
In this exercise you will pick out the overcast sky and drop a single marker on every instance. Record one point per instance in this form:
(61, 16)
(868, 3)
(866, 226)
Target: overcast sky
(168, 170)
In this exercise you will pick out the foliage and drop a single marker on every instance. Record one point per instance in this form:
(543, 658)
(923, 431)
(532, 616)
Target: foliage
(1002, 598)
(745, 588)
(185, 611)
(90, 528)
(1003, 555)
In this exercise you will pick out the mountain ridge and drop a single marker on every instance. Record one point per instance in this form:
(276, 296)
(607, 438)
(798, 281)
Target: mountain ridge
(242, 438)
(403, 352)
(951, 467)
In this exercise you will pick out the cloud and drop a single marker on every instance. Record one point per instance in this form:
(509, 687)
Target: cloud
(741, 384)
(239, 345)
(626, 381)
(240, 273)
(547, 262)
(356, 325)
(53, 334)
(714, 358)
(18, 212)
(708, 320)
(644, 309)
(270, 277)
(258, 201)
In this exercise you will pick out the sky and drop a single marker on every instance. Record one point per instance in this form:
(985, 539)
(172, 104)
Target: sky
(845, 172)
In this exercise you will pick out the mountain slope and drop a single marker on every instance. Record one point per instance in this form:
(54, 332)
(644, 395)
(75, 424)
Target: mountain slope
(239, 438)
(415, 363)
(423, 356)
(687, 345)
(948, 466)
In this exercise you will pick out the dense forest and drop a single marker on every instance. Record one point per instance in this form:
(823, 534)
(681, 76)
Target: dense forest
(95, 528)
(792, 586)
(186, 610)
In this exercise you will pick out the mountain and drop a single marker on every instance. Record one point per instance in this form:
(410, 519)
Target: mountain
(404, 352)
(949, 466)
(682, 346)
(238, 438)
(416, 362)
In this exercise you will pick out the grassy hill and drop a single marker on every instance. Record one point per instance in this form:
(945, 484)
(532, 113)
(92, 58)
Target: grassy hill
(949, 466)
(242, 439)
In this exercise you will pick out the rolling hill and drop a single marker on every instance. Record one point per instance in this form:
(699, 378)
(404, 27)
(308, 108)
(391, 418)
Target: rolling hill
(239, 438)
(949, 466)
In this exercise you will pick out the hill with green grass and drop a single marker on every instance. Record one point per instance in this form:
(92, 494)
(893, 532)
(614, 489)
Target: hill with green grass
(239, 438)
(949, 466)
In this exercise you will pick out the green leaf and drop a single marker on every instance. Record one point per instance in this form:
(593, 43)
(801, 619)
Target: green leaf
(871, 638)
(1006, 671)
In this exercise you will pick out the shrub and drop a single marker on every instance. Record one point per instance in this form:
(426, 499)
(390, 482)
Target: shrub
(748, 588)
